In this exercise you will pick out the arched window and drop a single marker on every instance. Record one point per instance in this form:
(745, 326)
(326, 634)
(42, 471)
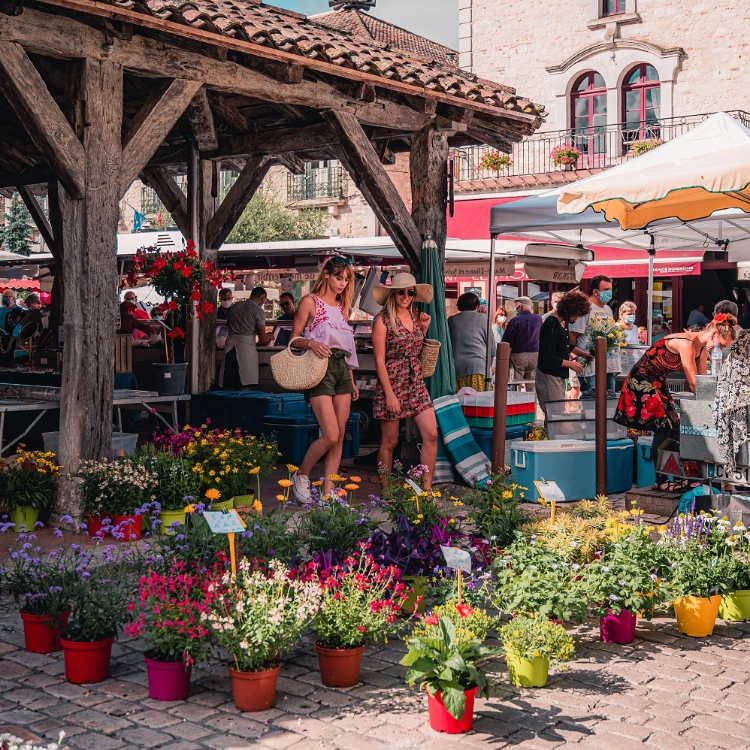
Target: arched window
(588, 116)
(641, 103)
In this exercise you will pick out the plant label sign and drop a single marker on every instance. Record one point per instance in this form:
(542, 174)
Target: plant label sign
(550, 492)
(458, 559)
(414, 486)
(224, 523)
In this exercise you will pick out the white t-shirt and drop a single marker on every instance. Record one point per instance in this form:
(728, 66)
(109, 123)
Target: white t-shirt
(597, 313)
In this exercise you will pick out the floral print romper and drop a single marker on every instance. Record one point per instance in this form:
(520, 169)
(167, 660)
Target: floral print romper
(404, 372)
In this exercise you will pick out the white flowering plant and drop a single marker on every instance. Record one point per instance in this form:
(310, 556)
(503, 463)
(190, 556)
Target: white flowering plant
(115, 488)
(11, 742)
(261, 614)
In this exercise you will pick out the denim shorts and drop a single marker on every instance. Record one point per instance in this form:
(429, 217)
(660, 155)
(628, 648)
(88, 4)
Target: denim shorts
(337, 381)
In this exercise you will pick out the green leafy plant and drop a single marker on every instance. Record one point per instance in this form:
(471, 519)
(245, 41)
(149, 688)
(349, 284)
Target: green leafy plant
(534, 636)
(175, 477)
(271, 536)
(446, 649)
(495, 510)
(28, 480)
(423, 509)
(267, 219)
(738, 564)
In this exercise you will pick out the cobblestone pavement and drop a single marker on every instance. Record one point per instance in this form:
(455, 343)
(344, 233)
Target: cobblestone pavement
(664, 691)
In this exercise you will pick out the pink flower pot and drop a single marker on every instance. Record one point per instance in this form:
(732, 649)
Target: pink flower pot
(618, 628)
(167, 680)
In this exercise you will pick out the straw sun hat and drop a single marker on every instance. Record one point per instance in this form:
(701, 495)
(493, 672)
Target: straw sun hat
(402, 281)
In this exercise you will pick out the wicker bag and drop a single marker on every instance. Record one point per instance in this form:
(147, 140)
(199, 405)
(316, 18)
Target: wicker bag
(297, 372)
(428, 357)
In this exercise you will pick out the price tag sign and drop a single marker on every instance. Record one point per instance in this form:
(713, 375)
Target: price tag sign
(224, 523)
(550, 492)
(414, 486)
(458, 559)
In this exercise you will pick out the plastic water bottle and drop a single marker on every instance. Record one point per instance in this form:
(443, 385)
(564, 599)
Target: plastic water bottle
(716, 360)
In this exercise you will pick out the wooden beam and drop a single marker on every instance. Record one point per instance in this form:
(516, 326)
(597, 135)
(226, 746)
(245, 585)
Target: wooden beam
(170, 195)
(201, 120)
(227, 112)
(239, 195)
(292, 162)
(151, 126)
(37, 215)
(45, 123)
(428, 169)
(280, 141)
(30, 176)
(363, 165)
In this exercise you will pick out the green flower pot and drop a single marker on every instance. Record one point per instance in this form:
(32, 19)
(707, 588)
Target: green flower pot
(24, 516)
(527, 672)
(223, 505)
(736, 606)
(419, 586)
(168, 517)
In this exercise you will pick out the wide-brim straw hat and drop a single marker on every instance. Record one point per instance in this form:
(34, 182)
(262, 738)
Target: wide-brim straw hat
(402, 281)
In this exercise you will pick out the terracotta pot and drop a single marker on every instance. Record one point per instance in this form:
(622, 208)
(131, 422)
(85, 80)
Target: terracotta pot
(696, 615)
(40, 636)
(24, 518)
(128, 526)
(618, 628)
(442, 721)
(735, 607)
(254, 691)
(339, 667)
(167, 680)
(527, 672)
(87, 661)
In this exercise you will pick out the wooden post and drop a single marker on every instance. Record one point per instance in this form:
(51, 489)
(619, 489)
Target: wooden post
(600, 365)
(502, 368)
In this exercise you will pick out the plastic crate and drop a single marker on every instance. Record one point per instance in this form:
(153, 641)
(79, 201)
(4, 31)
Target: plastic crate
(294, 435)
(619, 465)
(510, 420)
(213, 406)
(122, 442)
(482, 404)
(584, 429)
(483, 436)
(645, 471)
(577, 409)
(249, 409)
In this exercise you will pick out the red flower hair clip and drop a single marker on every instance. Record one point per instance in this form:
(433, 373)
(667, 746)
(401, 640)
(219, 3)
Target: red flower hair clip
(720, 318)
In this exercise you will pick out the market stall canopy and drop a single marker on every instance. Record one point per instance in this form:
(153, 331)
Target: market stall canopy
(689, 177)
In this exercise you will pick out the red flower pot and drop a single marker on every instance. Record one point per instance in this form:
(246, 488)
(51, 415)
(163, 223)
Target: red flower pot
(41, 637)
(618, 628)
(168, 680)
(128, 526)
(339, 667)
(254, 691)
(87, 661)
(96, 527)
(442, 721)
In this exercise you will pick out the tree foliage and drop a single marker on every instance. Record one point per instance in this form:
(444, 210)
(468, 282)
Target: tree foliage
(267, 219)
(17, 230)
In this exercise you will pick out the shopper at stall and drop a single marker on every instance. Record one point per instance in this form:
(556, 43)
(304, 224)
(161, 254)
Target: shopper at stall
(522, 333)
(697, 316)
(554, 299)
(468, 334)
(132, 325)
(138, 313)
(247, 322)
(286, 300)
(498, 327)
(10, 308)
(646, 402)
(555, 349)
(397, 336)
(627, 323)
(322, 321)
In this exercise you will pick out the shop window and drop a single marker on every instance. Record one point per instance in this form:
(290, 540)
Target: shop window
(641, 104)
(612, 7)
(588, 117)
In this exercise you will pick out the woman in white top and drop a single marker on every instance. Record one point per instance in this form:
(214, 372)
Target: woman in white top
(321, 319)
(627, 323)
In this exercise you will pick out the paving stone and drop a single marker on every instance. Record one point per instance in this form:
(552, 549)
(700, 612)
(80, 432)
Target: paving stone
(19, 716)
(124, 689)
(96, 742)
(191, 711)
(143, 737)
(296, 705)
(33, 699)
(10, 669)
(706, 737)
(280, 739)
(181, 746)
(63, 709)
(230, 743)
(99, 721)
(189, 731)
(293, 687)
(154, 719)
(29, 659)
(118, 707)
(668, 741)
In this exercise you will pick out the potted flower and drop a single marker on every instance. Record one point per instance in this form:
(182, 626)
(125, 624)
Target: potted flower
(37, 581)
(646, 144)
(623, 585)
(565, 155)
(257, 618)
(113, 495)
(496, 161)
(360, 604)
(179, 277)
(530, 642)
(696, 549)
(98, 596)
(735, 604)
(167, 615)
(446, 649)
(27, 486)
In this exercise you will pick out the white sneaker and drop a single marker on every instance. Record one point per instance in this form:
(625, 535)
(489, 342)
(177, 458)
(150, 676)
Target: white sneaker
(301, 488)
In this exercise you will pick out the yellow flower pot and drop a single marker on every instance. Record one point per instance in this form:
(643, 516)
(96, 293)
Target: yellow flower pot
(168, 517)
(223, 505)
(527, 673)
(696, 615)
(735, 607)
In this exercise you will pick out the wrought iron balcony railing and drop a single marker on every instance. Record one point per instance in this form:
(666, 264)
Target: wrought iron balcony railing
(316, 184)
(599, 147)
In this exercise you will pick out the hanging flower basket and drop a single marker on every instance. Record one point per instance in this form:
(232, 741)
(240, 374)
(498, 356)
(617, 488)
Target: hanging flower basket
(496, 161)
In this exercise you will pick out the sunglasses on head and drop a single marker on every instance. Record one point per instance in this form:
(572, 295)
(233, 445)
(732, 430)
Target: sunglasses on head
(342, 260)
(410, 292)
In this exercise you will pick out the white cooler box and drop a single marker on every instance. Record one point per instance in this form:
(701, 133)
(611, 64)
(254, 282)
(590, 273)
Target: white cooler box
(121, 441)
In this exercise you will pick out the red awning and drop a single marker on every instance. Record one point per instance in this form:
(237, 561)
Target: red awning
(619, 263)
(20, 284)
(471, 219)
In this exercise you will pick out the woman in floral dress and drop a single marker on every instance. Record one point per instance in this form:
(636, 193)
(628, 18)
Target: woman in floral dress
(645, 402)
(397, 337)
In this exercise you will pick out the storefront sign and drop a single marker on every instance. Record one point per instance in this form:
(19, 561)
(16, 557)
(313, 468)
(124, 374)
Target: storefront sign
(265, 276)
(743, 272)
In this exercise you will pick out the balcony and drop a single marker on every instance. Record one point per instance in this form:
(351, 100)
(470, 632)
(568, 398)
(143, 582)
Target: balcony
(599, 147)
(317, 186)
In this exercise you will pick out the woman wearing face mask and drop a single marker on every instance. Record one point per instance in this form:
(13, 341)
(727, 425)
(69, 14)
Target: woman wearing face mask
(627, 323)
(498, 327)
(645, 402)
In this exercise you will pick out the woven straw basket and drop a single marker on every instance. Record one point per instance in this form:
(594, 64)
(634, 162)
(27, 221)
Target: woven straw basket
(297, 372)
(428, 357)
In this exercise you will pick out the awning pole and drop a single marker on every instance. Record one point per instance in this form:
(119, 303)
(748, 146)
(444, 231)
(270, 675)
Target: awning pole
(650, 292)
(491, 303)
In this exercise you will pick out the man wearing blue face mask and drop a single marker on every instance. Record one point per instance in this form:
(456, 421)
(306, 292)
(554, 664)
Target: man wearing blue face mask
(600, 296)
(9, 303)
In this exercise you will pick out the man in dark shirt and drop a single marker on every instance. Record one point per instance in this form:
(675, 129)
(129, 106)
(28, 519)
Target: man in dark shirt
(522, 333)
(286, 300)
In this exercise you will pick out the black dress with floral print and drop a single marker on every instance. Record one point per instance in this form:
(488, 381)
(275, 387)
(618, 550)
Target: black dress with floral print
(404, 371)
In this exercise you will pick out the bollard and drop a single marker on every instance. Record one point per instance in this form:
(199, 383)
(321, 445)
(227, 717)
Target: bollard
(502, 367)
(600, 365)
